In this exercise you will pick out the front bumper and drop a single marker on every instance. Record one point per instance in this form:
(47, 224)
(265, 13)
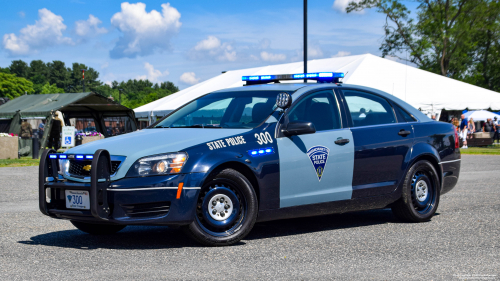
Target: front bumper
(145, 201)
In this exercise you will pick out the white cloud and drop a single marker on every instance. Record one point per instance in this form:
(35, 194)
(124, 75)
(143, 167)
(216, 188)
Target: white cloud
(210, 43)
(314, 52)
(264, 43)
(21, 14)
(341, 5)
(189, 78)
(144, 32)
(153, 74)
(89, 27)
(265, 56)
(341, 54)
(105, 65)
(46, 32)
(212, 48)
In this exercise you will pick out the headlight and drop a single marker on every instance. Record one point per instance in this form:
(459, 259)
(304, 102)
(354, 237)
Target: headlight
(170, 163)
(63, 167)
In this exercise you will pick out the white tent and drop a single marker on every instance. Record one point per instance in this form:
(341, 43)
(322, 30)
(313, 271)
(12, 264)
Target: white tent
(424, 90)
(481, 115)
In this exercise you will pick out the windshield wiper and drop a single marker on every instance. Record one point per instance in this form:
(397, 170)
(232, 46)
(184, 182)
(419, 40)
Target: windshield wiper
(204, 126)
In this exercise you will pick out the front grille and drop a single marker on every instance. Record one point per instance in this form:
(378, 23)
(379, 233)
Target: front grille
(146, 209)
(76, 167)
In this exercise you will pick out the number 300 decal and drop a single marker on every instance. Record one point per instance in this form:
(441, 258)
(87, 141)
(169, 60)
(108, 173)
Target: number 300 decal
(264, 138)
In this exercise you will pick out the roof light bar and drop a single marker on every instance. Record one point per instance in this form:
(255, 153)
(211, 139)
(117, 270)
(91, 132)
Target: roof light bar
(320, 77)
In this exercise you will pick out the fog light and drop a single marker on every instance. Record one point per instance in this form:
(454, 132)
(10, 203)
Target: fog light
(48, 195)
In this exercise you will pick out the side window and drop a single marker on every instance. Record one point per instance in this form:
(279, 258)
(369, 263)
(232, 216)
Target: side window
(367, 109)
(320, 108)
(407, 117)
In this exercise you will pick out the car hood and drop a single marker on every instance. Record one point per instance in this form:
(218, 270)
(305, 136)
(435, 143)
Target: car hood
(152, 141)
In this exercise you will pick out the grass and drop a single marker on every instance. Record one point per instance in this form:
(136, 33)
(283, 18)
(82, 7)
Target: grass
(487, 150)
(23, 162)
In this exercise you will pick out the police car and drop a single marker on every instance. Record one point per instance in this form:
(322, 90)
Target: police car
(261, 152)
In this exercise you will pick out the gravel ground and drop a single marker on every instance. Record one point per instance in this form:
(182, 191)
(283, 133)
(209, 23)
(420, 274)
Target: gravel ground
(461, 242)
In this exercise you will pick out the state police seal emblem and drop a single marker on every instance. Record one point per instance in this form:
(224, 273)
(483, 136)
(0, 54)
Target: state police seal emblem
(318, 155)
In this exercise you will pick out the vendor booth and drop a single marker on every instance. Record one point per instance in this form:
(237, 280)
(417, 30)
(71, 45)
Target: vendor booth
(43, 114)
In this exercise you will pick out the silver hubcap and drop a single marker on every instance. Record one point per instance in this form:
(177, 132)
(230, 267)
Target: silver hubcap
(220, 207)
(422, 191)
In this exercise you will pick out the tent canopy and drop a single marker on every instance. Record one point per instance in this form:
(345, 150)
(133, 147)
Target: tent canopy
(41, 105)
(481, 115)
(422, 89)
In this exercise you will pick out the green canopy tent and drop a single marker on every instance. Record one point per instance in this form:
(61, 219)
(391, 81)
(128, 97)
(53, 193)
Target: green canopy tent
(78, 105)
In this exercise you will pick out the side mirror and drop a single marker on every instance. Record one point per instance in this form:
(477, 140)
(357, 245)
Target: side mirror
(299, 128)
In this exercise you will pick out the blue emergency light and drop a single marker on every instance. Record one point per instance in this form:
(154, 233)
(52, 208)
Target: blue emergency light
(261, 151)
(71, 156)
(320, 77)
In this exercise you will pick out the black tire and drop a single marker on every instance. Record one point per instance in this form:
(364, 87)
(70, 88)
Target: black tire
(230, 221)
(97, 229)
(421, 191)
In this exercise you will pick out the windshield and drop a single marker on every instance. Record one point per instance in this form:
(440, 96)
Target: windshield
(246, 109)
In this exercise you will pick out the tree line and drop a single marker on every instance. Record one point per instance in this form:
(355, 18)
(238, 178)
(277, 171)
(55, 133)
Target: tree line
(39, 77)
(459, 39)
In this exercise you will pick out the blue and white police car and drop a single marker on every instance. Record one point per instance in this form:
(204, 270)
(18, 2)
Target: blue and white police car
(261, 152)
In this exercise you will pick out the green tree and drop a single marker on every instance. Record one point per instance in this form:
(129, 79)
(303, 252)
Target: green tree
(91, 78)
(13, 87)
(485, 71)
(51, 89)
(39, 74)
(19, 68)
(59, 74)
(4, 70)
(440, 40)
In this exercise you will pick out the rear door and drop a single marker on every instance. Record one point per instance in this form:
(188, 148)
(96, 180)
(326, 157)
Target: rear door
(382, 145)
(313, 168)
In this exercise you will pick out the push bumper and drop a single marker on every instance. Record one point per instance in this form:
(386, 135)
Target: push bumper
(147, 201)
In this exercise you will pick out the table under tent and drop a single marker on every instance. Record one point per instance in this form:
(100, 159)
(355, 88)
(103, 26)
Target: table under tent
(88, 112)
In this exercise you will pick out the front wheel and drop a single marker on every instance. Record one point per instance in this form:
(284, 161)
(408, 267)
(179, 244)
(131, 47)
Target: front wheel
(421, 192)
(226, 210)
(97, 229)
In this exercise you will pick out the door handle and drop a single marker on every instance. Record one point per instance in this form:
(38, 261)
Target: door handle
(404, 133)
(341, 141)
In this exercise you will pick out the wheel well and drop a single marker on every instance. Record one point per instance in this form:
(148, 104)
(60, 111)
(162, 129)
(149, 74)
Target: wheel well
(434, 163)
(243, 169)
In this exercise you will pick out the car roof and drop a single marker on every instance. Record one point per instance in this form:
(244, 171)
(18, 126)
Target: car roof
(300, 88)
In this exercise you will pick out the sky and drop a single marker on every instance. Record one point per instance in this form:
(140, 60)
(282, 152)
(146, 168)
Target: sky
(185, 42)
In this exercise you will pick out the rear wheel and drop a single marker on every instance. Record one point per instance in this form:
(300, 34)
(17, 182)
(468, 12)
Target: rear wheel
(97, 229)
(226, 210)
(421, 193)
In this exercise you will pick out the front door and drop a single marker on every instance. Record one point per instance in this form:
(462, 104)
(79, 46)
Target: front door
(313, 167)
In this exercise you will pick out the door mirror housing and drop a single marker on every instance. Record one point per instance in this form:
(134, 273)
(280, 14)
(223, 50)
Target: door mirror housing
(299, 128)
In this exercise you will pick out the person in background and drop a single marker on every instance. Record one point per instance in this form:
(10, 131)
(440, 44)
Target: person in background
(455, 123)
(41, 127)
(496, 129)
(471, 128)
(487, 126)
(433, 117)
(463, 130)
(25, 143)
(55, 131)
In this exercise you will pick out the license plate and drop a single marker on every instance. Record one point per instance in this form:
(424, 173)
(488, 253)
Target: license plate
(77, 199)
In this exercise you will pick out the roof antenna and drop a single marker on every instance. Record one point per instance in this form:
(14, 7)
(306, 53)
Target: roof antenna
(339, 83)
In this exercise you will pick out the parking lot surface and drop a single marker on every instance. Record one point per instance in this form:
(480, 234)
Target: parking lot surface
(460, 243)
